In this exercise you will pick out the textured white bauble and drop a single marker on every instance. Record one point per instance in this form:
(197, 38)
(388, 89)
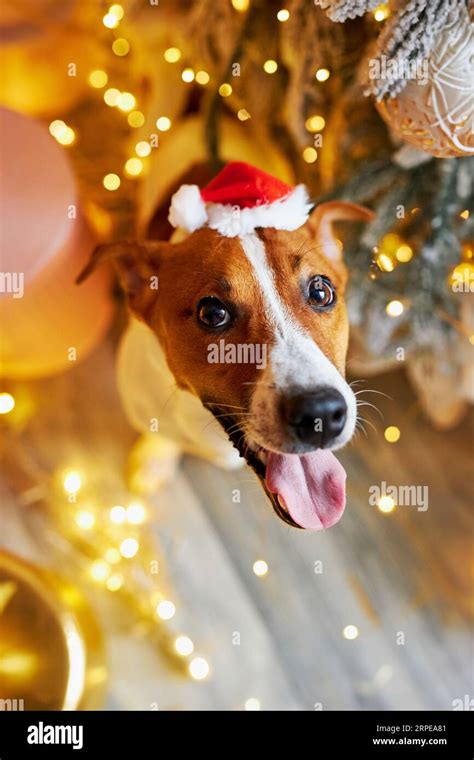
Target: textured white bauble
(435, 113)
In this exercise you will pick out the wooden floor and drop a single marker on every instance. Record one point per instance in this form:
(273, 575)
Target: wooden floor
(404, 579)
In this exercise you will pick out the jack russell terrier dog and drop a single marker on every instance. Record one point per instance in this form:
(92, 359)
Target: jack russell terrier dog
(239, 331)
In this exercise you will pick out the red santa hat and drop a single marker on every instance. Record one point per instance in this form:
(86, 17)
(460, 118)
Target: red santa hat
(239, 199)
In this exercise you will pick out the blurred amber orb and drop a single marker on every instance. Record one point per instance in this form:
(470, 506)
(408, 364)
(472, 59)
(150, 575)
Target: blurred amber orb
(46, 241)
(51, 650)
(45, 55)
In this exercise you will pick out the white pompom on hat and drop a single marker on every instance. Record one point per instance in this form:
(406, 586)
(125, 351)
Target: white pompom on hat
(188, 209)
(239, 199)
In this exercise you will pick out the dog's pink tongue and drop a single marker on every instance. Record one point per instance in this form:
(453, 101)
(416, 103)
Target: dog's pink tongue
(312, 486)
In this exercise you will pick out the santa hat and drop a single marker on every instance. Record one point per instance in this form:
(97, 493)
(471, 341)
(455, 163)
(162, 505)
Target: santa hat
(239, 199)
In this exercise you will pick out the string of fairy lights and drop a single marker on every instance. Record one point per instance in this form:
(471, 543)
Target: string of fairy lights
(120, 557)
(112, 544)
(126, 101)
(113, 548)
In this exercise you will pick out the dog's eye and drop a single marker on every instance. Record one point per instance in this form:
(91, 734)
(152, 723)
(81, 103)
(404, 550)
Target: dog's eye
(212, 312)
(321, 292)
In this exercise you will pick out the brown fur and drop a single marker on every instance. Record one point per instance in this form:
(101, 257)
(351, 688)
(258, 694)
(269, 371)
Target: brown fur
(208, 264)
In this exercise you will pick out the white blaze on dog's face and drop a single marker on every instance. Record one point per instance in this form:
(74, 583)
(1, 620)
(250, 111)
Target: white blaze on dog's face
(303, 296)
(278, 291)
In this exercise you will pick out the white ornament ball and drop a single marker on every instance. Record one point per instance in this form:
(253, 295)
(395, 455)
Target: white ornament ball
(435, 112)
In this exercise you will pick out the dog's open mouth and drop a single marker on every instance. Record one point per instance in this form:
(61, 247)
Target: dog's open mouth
(306, 491)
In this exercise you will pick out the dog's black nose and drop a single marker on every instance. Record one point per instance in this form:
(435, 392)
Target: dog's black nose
(316, 418)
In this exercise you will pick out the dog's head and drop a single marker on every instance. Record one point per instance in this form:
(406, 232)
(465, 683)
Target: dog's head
(256, 327)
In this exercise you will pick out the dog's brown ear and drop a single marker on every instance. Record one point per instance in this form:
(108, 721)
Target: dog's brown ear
(125, 254)
(321, 220)
(137, 266)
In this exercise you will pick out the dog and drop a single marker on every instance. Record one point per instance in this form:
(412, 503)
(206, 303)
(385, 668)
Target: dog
(253, 264)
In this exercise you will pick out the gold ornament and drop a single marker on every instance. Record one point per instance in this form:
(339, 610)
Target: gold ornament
(434, 112)
(51, 654)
